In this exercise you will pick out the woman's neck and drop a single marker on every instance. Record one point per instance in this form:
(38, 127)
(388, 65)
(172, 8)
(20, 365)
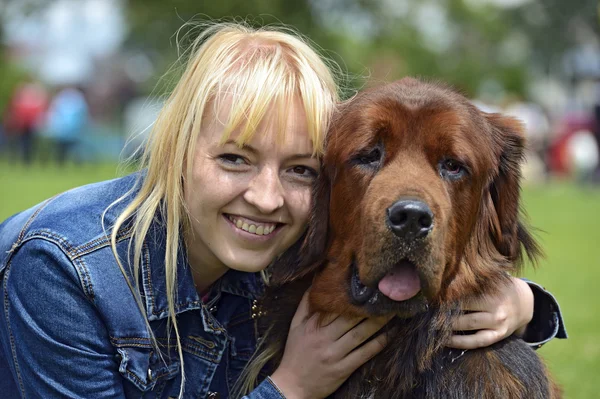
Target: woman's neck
(206, 267)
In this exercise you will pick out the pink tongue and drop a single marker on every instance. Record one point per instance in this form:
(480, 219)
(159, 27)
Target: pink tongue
(401, 283)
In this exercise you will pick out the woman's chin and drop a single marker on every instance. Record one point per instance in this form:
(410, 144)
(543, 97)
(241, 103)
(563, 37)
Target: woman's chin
(247, 260)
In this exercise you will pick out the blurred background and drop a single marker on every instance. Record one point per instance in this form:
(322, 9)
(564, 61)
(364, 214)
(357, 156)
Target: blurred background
(81, 78)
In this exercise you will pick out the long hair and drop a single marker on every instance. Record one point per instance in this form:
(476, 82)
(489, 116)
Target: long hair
(259, 68)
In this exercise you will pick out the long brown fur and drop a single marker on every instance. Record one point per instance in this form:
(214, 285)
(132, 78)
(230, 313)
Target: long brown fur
(477, 239)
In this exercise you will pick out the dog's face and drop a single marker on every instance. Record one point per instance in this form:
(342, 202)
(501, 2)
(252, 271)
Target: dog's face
(422, 194)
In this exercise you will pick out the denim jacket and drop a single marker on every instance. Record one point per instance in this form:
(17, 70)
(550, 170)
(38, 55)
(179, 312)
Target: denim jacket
(70, 326)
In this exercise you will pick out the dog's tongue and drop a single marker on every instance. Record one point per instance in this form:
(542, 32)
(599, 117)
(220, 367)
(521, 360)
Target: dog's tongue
(401, 283)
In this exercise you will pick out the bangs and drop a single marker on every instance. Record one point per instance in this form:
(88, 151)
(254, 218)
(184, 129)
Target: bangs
(261, 86)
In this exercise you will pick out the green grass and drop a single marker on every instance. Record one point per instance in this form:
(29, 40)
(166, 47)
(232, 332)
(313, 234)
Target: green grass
(24, 186)
(570, 219)
(568, 215)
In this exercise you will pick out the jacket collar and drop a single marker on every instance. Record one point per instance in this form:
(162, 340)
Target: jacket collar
(248, 285)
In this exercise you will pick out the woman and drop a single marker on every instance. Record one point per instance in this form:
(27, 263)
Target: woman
(144, 285)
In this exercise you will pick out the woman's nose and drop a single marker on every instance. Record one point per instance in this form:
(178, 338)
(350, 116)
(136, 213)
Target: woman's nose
(265, 191)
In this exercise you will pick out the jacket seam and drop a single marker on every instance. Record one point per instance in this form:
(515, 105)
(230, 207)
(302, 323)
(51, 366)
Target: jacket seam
(148, 277)
(10, 333)
(100, 243)
(115, 343)
(270, 381)
(30, 220)
(63, 245)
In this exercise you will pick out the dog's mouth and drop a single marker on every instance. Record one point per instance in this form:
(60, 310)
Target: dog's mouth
(399, 284)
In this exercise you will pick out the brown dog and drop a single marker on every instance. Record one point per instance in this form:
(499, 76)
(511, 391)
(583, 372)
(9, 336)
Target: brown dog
(415, 210)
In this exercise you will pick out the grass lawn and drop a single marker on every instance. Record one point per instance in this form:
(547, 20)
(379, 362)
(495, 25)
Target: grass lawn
(570, 219)
(568, 216)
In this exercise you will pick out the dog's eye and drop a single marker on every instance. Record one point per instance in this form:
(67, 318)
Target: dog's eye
(371, 158)
(451, 169)
(452, 166)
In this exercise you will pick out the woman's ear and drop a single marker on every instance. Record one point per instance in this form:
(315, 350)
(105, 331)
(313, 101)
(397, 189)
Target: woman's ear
(305, 256)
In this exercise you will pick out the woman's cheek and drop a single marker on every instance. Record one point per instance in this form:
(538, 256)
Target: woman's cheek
(301, 204)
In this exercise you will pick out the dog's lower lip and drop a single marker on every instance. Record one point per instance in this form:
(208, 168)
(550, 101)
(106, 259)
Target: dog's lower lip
(360, 292)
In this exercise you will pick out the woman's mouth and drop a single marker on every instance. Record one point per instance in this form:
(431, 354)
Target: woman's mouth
(252, 226)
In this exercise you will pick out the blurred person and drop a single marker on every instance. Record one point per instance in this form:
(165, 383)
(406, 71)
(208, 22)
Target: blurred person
(596, 130)
(537, 130)
(582, 152)
(2, 137)
(559, 152)
(148, 283)
(67, 120)
(23, 119)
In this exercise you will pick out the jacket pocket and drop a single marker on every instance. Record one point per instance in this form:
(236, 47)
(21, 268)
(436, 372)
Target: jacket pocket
(145, 369)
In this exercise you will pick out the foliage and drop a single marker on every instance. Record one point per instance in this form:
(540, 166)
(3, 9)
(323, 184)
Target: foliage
(155, 24)
(556, 27)
(467, 43)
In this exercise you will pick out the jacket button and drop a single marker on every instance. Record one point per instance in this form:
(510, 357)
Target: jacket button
(213, 395)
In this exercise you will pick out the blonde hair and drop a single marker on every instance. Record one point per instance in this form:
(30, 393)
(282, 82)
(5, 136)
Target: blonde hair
(260, 68)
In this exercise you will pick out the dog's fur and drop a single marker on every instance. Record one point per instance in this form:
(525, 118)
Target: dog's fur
(391, 143)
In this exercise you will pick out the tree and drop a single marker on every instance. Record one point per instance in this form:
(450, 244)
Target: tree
(471, 44)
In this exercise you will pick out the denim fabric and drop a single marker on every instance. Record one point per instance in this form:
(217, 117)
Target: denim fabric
(266, 390)
(70, 326)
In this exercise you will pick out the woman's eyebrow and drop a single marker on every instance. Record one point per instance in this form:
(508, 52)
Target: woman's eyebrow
(249, 148)
(246, 147)
(301, 156)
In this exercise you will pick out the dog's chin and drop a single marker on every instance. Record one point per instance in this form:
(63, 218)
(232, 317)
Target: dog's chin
(373, 301)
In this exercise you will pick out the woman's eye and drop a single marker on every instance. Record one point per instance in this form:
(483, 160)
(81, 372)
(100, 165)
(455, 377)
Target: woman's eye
(233, 159)
(304, 171)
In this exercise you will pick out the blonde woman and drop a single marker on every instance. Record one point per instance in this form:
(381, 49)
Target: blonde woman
(146, 285)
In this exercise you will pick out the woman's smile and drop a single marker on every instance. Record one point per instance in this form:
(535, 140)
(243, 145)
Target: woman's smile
(252, 229)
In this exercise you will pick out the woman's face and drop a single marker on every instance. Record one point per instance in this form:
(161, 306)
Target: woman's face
(250, 204)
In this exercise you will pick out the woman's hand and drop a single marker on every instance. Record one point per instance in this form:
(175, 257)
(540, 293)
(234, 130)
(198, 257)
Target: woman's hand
(496, 317)
(319, 358)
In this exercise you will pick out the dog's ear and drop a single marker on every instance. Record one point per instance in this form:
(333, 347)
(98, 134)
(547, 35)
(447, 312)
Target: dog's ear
(307, 254)
(508, 232)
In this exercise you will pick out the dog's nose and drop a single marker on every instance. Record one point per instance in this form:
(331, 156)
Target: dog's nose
(410, 219)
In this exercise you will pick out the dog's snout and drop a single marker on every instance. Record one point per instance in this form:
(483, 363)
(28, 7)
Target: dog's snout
(410, 219)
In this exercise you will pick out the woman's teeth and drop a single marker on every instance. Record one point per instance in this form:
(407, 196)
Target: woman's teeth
(260, 229)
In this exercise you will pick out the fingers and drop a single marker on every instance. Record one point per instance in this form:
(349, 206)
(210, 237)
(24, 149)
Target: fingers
(326, 319)
(359, 334)
(480, 304)
(340, 326)
(301, 312)
(360, 356)
(480, 339)
(492, 328)
(475, 321)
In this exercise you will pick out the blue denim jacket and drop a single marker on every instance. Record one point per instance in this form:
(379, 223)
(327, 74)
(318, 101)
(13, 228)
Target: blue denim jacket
(70, 326)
